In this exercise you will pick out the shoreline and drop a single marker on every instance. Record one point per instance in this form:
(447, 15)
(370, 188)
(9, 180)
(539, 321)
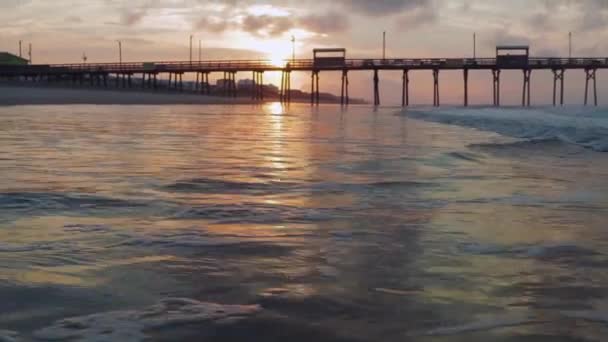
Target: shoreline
(16, 95)
(27, 94)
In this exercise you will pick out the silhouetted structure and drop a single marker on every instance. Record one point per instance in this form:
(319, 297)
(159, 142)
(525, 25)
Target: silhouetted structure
(10, 59)
(98, 74)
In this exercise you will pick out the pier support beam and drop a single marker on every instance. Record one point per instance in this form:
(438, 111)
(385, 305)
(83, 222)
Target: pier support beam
(376, 88)
(590, 76)
(285, 93)
(466, 87)
(558, 76)
(344, 98)
(254, 85)
(257, 91)
(525, 98)
(436, 101)
(314, 87)
(405, 89)
(205, 86)
(496, 87)
(225, 84)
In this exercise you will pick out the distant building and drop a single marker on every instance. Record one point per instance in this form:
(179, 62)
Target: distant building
(10, 59)
(223, 82)
(245, 84)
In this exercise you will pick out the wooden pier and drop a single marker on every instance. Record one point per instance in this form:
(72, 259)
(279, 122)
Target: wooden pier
(122, 73)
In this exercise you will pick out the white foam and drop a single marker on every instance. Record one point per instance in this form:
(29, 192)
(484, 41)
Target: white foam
(8, 336)
(133, 325)
(588, 315)
(484, 325)
(585, 127)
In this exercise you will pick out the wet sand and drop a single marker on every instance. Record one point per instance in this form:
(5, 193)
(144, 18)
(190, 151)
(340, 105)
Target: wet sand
(15, 95)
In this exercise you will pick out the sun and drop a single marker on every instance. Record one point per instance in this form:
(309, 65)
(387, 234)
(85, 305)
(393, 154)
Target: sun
(277, 59)
(277, 51)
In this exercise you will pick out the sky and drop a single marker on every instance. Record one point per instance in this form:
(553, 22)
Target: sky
(61, 31)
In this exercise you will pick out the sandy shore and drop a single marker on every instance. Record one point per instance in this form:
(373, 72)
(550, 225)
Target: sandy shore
(14, 95)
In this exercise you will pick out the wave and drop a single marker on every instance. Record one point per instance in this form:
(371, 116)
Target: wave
(8, 336)
(580, 126)
(212, 186)
(256, 213)
(136, 325)
(548, 252)
(484, 325)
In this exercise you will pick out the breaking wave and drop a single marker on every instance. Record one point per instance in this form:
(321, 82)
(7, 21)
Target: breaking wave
(135, 325)
(580, 126)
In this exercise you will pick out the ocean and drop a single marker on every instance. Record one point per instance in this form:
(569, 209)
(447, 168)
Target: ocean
(273, 223)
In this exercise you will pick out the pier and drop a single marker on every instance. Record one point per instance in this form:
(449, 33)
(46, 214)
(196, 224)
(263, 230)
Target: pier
(100, 74)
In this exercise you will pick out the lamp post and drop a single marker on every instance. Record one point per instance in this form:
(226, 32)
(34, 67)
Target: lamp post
(29, 53)
(84, 58)
(190, 49)
(119, 51)
(293, 48)
(384, 45)
(200, 48)
(569, 44)
(20, 42)
(474, 45)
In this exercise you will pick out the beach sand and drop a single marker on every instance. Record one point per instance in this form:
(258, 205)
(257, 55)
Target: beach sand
(15, 95)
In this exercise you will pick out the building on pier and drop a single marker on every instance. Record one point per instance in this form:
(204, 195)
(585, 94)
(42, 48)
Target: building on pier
(10, 59)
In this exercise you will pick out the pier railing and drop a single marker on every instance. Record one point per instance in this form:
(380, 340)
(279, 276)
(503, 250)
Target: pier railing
(100, 73)
(351, 64)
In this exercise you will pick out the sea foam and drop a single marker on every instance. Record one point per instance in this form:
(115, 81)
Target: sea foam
(135, 325)
(581, 126)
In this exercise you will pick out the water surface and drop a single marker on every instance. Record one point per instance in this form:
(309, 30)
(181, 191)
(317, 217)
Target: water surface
(244, 223)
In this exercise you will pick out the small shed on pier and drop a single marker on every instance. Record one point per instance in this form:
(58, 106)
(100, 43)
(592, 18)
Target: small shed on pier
(512, 55)
(329, 57)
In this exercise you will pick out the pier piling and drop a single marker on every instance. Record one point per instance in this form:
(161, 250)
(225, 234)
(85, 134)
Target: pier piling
(376, 88)
(436, 102)
(466, 86)
(405, 89)
(525, 99)
(496, 86)
(558, 77)
(590, 76)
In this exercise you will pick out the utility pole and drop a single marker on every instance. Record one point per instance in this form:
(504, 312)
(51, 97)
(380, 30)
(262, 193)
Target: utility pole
(190, 49)
(293, 48)
(474, 45)
(119, 51)
(569, 44)
(384, 45)
(29, 53)
(20, 42)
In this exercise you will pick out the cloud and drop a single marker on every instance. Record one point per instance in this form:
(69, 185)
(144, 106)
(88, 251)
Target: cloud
(331, 22)
(417, 17)
(132, 17)
(384, 7)
(73, 19)
(266, 25)
(504, 37)
(212, 24)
